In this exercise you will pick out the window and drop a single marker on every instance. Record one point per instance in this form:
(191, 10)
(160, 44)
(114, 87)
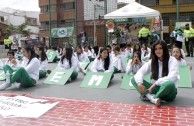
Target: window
(31, 21)
(150, 2)
(44, 9)
(68, 6)
(1, 32)
(184, 1)
(45, 25)
(53, 24)
(68, 23)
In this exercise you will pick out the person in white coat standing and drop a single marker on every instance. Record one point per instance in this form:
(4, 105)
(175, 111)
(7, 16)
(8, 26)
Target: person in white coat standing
(164, 76)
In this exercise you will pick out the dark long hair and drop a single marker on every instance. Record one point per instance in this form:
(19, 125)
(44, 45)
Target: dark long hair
(68, 55)
(96, 50)
(32, 52)
(154, 61)
(43, 54)
(138, 54)
(107, 60)
(134, 48)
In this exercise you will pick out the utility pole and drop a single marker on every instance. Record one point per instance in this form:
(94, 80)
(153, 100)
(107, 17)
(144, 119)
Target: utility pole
(75, 24)
(49, 10)
(95, 43)
(106, 32)
(177, 10)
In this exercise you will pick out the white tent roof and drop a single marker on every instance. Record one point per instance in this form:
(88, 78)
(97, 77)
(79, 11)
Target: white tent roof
(132, 10)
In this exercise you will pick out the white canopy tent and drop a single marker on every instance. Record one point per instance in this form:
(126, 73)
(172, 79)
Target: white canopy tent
(132, 10)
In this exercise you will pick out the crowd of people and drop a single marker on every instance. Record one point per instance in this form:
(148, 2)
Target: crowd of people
(28, 65)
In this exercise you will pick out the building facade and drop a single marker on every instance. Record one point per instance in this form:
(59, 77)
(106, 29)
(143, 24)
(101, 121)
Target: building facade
(63, 14)
(79, 14)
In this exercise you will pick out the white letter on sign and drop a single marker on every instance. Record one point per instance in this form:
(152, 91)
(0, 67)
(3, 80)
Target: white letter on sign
(95, 79)
(58, 76)
(130, 84)
(50, 55)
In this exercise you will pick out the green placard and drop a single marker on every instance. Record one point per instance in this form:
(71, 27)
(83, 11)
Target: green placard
(51, 55)
(126, 82)
(83, 65)
(126, 60)
(58, 76)
(96, 80)
(62, 32)
(2, 75)
(185, 77)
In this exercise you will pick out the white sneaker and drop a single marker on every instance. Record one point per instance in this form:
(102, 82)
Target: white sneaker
(156, 101)
(4, 86)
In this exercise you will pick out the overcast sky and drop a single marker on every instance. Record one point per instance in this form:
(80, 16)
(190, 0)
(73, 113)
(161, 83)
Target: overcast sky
(28, 5)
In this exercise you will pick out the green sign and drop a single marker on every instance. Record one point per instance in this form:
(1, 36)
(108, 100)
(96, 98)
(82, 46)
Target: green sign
(96, 80)
(58, 76)
(2, 75)
(62, 32)
(185, 77)
(126, 82)
(51, 55)
(83, 65)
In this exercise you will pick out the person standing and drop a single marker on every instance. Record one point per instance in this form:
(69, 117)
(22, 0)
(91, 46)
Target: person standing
(144, 34)
(189, 38)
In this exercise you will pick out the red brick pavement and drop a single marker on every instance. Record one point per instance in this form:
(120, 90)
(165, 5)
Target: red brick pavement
(90, 113)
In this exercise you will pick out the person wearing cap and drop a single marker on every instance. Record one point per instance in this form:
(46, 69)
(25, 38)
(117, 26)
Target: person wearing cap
(144, 34)
(189, 37)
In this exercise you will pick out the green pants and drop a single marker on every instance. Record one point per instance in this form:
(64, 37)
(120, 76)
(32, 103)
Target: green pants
(91, 59)
(42, 74)
(115, 70)
(167, 91)
(20, 76)
(74, 75)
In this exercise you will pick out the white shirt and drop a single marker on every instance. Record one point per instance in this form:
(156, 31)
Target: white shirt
(43, 65)
(183, 53)
(98, 65)
(129, 53)
(182, 62)
(173, 73)
(8, 62)
(32, 68)
(66, 65)
(123, 54)
(117, 62)
(145, 54)
(1, 64)
(133, 68)
(82, 57)
(89, 53)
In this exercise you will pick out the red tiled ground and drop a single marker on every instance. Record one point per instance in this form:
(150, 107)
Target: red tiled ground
(89, 113)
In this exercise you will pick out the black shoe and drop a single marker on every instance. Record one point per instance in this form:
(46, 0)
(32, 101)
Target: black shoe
(191, 55)
(48, 71)
(187, 55)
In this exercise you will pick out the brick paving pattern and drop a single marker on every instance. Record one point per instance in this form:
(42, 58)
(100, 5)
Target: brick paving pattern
(90, 113)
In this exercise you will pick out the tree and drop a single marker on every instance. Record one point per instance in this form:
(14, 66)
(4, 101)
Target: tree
(21, 29)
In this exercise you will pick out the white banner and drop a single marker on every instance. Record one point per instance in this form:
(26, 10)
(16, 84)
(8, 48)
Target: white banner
(21, 106)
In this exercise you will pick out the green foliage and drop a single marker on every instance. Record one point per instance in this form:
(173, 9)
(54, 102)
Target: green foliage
(21, 29)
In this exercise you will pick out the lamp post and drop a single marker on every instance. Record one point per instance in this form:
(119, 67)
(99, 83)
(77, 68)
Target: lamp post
(177, 10)
(49, 10)
(106, 32)
(95, 38)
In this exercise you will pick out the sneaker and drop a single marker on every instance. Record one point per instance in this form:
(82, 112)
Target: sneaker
(156, 101)
(4, 86)
(144, 98)
(48, 71)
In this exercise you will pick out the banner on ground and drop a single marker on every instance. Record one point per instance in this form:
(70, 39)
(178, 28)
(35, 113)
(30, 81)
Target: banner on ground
(21, 106)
